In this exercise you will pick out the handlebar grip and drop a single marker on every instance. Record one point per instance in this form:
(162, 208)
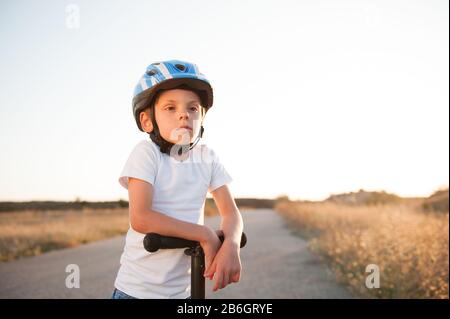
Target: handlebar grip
(153, 242)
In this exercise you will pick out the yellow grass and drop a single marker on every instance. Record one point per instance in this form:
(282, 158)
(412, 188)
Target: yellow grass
(410, 247)
(30, 233)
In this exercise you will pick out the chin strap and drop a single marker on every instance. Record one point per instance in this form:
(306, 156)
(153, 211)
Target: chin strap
(166, 146)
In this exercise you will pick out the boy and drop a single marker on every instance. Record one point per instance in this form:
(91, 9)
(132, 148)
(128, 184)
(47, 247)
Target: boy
(167, 178)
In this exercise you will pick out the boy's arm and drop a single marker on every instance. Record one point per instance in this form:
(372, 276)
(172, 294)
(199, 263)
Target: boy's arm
(226, 267)
(231, 220)
(145, 220)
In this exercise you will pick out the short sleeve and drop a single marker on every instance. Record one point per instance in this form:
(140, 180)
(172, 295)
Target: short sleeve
(142, 164)
(219, 175)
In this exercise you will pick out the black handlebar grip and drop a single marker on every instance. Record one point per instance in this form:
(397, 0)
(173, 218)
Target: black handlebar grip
(153, 242)
(243, 240)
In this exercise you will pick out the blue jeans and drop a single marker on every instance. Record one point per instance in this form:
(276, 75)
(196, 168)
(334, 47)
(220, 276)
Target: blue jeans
(117, 294)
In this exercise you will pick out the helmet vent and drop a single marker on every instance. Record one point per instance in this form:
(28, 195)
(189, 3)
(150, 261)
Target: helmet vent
(151, 72)
(180, 67)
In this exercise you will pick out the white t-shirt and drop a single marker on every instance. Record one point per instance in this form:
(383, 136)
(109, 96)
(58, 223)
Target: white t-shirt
(179, 191)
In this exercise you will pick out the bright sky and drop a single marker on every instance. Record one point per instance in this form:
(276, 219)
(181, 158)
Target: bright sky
(311, 97)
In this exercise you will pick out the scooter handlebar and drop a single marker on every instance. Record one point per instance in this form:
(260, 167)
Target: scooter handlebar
(153, 242)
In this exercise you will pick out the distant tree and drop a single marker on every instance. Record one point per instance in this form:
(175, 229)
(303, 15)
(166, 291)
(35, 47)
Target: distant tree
(123, 203)
(283, 198)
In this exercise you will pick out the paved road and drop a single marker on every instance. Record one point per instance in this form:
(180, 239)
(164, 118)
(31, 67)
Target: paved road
(276, 264)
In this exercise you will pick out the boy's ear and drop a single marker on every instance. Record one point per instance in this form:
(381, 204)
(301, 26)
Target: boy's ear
(146, 121)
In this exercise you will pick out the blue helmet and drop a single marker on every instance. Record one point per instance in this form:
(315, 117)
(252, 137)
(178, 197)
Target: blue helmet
(169, 75)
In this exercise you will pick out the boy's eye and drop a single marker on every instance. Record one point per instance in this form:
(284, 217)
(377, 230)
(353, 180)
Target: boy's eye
(172, 108)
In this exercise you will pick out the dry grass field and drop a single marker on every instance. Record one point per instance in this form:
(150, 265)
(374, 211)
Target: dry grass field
(405, 239)
(32, 232)
(29, 233)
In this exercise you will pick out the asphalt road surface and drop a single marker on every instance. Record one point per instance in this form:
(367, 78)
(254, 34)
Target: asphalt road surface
(275, 264)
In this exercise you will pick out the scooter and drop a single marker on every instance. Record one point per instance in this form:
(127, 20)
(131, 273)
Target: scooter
(153, 242)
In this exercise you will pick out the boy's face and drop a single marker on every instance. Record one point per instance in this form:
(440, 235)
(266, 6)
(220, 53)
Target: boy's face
(173, 110)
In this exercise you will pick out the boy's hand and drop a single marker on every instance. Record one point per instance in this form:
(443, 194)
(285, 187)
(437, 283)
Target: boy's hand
(210, 245)
(226, 266)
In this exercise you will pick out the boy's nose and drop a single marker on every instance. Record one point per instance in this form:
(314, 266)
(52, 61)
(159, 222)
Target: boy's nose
(184, 115)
